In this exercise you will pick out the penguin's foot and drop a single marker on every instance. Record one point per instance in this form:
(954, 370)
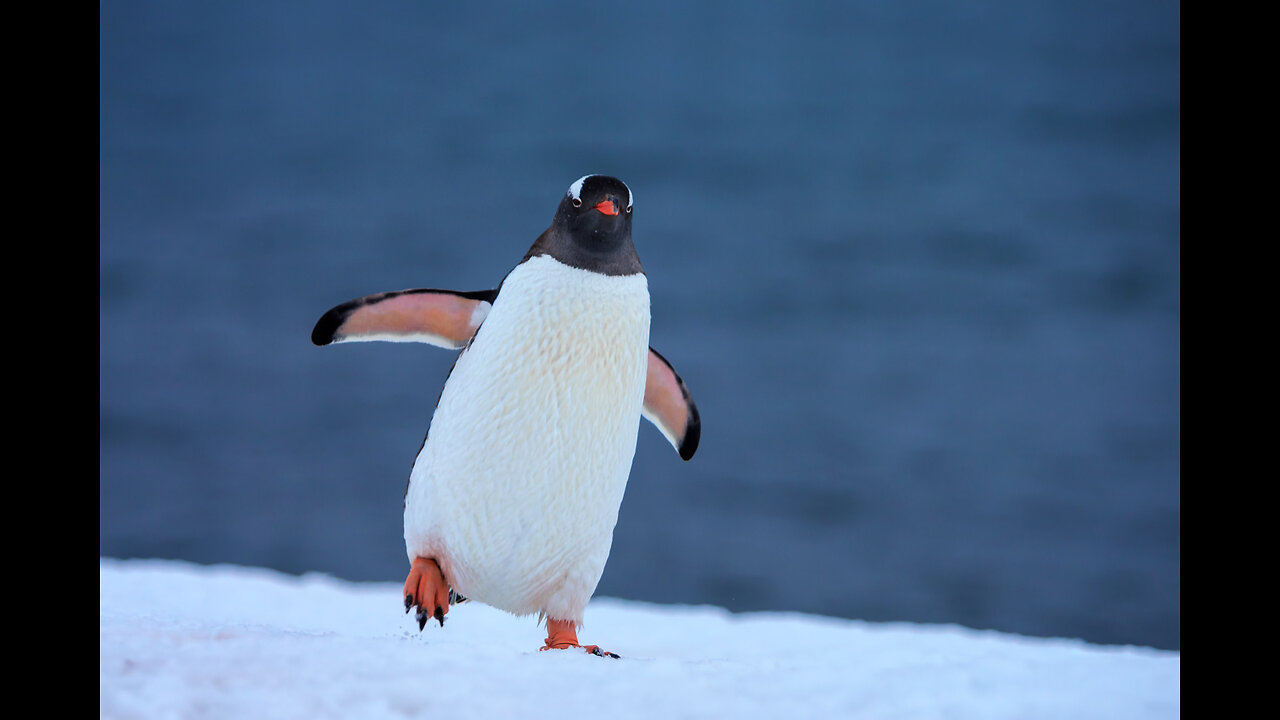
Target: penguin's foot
(562, 635)
(425, 587)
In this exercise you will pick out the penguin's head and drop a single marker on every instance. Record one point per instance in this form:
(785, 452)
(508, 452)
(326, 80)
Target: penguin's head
(592, 228)
(596, 213)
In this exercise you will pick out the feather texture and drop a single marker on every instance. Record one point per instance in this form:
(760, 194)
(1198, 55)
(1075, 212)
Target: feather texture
(517, 487)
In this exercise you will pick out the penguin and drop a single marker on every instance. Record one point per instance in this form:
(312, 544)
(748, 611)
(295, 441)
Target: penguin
(515, 491)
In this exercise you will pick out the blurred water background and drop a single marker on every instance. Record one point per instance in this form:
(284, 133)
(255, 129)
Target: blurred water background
(918, 263)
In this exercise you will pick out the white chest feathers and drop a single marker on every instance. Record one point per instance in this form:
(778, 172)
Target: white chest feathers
(517, 488)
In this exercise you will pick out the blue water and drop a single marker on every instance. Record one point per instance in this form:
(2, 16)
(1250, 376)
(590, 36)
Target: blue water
(918, 263)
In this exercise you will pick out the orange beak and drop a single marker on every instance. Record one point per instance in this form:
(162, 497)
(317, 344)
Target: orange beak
(607, 207)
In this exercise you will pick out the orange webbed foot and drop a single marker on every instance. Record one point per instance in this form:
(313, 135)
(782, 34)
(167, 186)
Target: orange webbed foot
(425, 587)
(562, 635)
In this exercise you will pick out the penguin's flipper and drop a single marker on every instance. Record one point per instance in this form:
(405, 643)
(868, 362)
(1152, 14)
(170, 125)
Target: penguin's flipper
(668, 405)
(444, 318)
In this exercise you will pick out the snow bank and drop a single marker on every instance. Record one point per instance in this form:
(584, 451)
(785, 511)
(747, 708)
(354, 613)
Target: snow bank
(186, 641)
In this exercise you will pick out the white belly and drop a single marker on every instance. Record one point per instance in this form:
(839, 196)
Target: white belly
(517, 487)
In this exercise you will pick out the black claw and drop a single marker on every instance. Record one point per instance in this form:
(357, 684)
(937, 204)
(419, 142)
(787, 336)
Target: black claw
(440, 615)
(408, 602)
(422, 619)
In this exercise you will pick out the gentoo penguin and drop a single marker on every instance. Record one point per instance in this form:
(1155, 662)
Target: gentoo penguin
(515, 492)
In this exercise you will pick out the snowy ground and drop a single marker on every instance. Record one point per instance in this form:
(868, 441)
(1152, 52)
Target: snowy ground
(186, 641)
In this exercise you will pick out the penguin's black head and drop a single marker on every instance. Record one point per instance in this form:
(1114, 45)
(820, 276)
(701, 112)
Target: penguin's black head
(592, 228)
(597, 210)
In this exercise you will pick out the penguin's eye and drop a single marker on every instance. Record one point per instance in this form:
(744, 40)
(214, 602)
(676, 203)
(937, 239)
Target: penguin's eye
(577, 202)
(628, 209)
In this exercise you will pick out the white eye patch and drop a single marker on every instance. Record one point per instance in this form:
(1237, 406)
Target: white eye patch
(575, 190)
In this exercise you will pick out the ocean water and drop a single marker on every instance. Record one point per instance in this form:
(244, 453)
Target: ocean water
(919, 264)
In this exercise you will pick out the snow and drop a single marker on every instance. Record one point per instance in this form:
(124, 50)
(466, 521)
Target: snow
(180, 640)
